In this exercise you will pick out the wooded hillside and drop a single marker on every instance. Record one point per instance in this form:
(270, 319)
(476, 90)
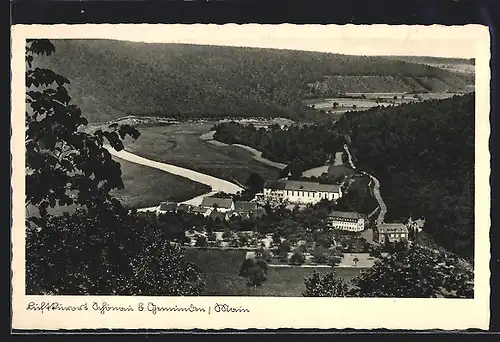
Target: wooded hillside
(423, 155)
(115, 78)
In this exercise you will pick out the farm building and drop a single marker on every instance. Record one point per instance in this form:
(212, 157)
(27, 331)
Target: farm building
(222, 204)
(184, 207)
(247, 210)
(202, 211)
(166, 207)
(301, 192)
(391, 232)
(349, 221)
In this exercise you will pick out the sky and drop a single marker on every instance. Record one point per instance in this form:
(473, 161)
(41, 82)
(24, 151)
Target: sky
(356, 40)
(434, 40)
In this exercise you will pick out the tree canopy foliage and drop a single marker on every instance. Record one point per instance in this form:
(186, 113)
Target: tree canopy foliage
(300, 147)
(64, 164)
(407, 270)
(109, 254)
(423, 156)
(177, 80)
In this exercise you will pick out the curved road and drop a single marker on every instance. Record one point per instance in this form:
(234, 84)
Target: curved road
(375, 189)
(217, 184)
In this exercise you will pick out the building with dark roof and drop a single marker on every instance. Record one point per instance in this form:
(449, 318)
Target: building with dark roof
(222, 204)
(166, 207)
(184, 207)
(247, 210)
(301, 192)
(391, 232)
(202, 211)
(349, 221)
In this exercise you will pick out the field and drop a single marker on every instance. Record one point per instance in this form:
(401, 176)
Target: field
(221, 267)
(146, 186)
(352, 101)
(340, 170)
(180, 145)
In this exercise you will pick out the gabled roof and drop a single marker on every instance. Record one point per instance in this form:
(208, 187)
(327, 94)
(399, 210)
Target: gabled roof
(392, 228)
(184, 207)
(199, 210)
(245, 206)
(301, 186)
(344, 214)
(224, 203)
(167, 206)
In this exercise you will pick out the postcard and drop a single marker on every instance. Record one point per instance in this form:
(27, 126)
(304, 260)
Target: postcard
(250, 176)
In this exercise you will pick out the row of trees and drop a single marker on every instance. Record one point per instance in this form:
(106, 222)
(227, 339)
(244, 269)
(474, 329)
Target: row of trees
(301, 147)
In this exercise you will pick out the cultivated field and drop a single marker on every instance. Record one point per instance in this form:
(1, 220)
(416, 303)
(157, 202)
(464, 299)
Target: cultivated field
(221, 267)
(147, 186)
(353, 101)
(181, 145)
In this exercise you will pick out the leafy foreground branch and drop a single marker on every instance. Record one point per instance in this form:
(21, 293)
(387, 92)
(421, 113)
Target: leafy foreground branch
(100, 249)
(407, 271)
(109, 254)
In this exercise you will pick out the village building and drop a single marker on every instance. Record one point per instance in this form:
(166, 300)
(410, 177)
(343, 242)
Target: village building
(301, 192)
(221, 204)
(348, 221)
(391, 232)
(184, 207)
(166, 207)
(247, 210)
(202, 211)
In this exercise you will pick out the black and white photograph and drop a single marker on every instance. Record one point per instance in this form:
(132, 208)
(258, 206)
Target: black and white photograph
(213, 163)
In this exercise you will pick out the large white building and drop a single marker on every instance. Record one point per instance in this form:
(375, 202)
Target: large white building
(301, 192)
(348, 221)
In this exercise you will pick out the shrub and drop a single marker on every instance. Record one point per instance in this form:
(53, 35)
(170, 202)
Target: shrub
(297, 258)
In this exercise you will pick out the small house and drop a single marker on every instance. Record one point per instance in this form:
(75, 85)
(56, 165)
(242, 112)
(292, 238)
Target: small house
(390, 232)
(184, 207)
(247, 210)
(221, 204)
(202, 211)
(166, 207)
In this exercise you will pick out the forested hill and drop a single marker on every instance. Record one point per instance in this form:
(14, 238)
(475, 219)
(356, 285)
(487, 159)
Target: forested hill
(423, 155)
(115, 78)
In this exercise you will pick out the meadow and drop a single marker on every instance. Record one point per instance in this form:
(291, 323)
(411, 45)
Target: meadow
(147, 186)
(221, 268)
(353, 101)
(180, 145)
